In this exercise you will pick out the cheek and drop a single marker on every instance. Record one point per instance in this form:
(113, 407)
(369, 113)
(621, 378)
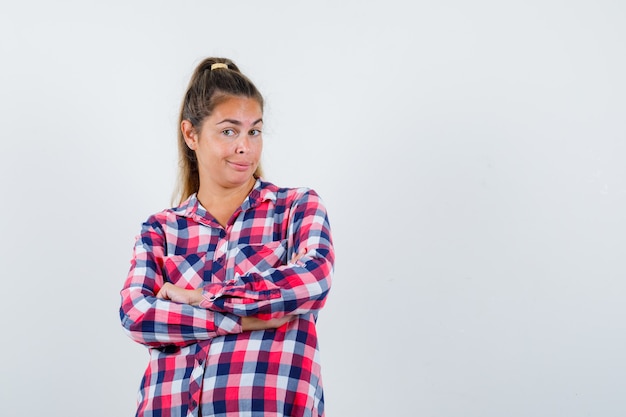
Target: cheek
(258, 148)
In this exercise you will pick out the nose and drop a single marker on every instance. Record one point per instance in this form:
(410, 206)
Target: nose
(243, 144)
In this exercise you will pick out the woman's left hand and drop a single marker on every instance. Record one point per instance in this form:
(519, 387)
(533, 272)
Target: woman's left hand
(171, 292)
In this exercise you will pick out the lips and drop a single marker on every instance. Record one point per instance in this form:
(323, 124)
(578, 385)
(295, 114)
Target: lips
(240, 166)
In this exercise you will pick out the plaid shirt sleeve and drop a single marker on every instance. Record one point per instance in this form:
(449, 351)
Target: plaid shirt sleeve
(265, 291)
(155, 322)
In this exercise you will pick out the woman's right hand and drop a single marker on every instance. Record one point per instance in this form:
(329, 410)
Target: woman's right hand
(253, 323)
(296, 256)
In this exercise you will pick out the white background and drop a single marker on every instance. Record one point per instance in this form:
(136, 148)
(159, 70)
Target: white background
(471, 155)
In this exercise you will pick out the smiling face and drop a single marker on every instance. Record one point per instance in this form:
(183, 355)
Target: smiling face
(228, 144)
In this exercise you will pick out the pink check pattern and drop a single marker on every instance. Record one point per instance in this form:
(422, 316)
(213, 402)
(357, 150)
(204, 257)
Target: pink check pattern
(201, 362)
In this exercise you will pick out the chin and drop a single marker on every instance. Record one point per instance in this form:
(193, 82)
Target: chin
(242, 180)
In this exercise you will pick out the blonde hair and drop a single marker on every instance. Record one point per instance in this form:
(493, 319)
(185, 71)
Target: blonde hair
(207, 88)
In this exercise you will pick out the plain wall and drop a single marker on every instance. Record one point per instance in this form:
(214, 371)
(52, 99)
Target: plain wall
(471, 156)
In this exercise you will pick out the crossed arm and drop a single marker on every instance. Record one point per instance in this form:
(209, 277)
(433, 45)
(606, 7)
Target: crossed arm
(157, 313)
(176, 294)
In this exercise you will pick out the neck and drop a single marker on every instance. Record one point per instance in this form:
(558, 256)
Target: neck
(222, 202)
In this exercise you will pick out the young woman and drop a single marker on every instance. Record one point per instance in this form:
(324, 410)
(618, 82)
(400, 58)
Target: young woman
(225, 288)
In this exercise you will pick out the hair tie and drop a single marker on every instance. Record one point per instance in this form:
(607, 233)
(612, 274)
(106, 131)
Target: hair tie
(218, 65)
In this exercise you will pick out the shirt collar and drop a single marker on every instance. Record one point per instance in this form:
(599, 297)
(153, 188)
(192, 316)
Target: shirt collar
(262, 191)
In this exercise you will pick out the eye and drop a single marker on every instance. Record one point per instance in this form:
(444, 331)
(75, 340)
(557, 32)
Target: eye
(228, 132)
(255, 132)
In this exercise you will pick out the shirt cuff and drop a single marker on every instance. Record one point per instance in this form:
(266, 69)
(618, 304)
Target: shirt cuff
(226, 323)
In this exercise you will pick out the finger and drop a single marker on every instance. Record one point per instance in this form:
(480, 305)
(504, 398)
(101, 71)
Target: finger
(296, 256)
(163, 293)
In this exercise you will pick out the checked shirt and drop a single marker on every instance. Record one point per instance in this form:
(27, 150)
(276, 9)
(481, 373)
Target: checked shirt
(201, 362)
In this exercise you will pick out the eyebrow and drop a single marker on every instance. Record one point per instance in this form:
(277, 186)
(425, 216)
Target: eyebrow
(237, 122)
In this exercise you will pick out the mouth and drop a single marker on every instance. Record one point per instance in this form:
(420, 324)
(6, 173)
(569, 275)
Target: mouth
(240, 166)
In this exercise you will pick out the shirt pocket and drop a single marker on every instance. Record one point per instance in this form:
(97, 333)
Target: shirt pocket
(259, 258)
(186, 271)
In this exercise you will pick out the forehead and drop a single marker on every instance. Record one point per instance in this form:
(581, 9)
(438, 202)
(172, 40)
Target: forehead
(238, 108)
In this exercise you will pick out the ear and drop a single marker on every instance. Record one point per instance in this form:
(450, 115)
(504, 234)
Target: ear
(189, 134)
